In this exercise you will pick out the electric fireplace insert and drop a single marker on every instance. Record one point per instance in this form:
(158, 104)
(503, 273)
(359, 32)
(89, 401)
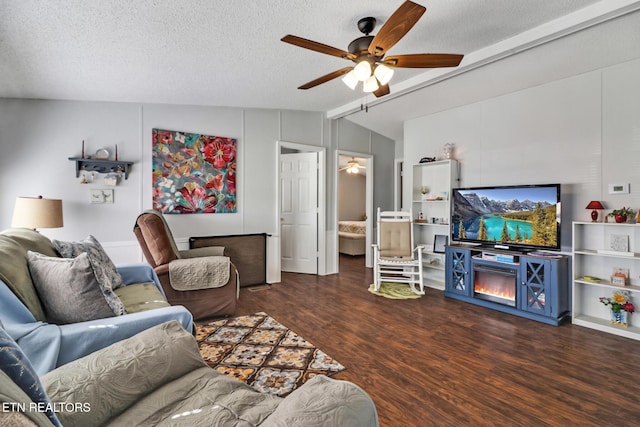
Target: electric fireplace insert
(495, 283)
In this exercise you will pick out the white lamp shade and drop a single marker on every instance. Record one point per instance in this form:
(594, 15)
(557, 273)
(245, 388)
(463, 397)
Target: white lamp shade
(371, 85)
(350, 79)
(383, 74)
(36, 212)
(362, 71)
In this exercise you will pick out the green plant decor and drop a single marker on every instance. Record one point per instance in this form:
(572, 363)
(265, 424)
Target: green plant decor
(628, 212)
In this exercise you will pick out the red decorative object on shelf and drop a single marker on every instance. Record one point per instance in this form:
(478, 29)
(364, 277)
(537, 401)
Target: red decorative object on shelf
(595, 205)
(620, 219)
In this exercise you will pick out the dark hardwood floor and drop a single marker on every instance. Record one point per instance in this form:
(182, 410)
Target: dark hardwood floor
(437, 361)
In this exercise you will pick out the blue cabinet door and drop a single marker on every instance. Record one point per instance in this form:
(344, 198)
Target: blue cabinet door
(458, 279)
(536, 280)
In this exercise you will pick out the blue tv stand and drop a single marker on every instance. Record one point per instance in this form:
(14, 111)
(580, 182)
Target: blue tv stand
(532, 286)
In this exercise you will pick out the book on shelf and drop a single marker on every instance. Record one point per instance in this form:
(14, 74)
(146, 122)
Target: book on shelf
(611, 252)
(592, 279)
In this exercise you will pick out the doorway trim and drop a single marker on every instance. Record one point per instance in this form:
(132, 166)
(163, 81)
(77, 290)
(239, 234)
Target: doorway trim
(398, 184)
(321, 249)
(368, 205)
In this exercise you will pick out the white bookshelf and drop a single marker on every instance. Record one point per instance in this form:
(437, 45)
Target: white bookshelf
(440, 177)
(593, 257)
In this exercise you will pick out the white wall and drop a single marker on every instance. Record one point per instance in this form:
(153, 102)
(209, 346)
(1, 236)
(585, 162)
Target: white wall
(351, 195)
(582, 131)
(37, 137)
(350, 137)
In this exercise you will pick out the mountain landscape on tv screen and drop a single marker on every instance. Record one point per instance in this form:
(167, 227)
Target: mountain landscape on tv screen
(523, 222)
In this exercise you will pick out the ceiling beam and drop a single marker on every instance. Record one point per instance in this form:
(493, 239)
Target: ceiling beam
(589, 16)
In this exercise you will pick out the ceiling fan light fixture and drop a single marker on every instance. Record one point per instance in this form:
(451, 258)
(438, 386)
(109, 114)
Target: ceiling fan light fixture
(353, 168)
(362, 70)
(383, 74)
(369, 52)
(350, 80)
(370, 85)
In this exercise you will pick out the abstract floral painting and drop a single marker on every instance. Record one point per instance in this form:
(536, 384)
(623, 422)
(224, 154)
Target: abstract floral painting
(193, 173)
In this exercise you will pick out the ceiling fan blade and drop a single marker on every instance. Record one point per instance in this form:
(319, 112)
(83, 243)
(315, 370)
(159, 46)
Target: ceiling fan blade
(382, 91)
(317, 47)
(398, 24)
(424, 60)
(326, 78)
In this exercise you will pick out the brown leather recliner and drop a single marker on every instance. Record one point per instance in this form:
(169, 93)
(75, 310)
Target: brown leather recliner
(159, 249)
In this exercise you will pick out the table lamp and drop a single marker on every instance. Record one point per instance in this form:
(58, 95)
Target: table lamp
(37, 212)
(595, 205)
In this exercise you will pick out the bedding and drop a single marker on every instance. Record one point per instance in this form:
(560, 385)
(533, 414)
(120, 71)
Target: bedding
(352, 237)
(357, 227)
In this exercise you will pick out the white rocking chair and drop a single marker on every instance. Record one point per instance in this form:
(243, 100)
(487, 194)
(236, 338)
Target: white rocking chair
(395, 259)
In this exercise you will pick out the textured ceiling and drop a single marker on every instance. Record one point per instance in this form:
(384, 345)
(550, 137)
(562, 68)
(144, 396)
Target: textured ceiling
(229, 53)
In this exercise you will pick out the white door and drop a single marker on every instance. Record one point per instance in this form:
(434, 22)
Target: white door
(299, 212)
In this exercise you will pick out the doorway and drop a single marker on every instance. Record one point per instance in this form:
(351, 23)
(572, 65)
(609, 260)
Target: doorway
(301, 208)
(354, 206)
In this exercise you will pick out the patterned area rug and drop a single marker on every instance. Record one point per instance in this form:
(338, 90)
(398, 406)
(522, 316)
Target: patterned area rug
(262, 353)
(394, 291)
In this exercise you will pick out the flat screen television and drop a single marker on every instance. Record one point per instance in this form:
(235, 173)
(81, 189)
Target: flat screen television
(515, 217)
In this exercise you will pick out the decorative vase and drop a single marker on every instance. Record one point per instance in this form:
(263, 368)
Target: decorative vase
(621, 219)
(620, 318)
(448, 150)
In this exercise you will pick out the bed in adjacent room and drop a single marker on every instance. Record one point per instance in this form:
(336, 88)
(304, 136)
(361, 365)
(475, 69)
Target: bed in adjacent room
(352, 237)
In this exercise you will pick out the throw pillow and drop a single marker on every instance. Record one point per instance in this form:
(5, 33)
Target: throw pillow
(15, 365)
(68, 288)
(104, 269)
(138, 369)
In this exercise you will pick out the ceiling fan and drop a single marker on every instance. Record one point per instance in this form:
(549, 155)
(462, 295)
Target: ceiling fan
(353, 166)
(368, 52)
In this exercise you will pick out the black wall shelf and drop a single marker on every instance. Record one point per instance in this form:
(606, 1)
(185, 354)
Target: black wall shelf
(101, 166)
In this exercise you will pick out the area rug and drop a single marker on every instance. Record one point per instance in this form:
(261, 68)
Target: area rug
(261, 352)
(394, 291)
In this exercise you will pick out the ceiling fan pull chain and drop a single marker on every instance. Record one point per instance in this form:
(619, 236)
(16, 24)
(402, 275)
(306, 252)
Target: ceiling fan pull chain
(364, 105)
